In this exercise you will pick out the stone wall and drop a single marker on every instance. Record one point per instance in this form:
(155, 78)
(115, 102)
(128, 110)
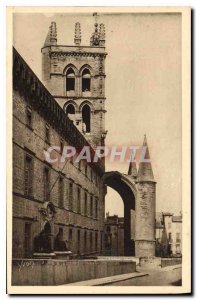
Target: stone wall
(165, 262)
(57, 272)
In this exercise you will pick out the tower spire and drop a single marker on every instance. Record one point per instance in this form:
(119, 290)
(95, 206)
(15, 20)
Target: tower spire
(132, 169)
(51, 38)
(145, 172)
(77, 39)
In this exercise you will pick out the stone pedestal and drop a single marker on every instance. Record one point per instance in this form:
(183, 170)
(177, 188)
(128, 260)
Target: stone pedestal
(150, 262)
(144, 248)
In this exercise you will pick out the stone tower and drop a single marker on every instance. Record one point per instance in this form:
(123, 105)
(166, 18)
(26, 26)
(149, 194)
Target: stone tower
(75, 76)
(145, 207)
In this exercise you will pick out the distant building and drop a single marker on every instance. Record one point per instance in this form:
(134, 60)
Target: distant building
(114, 235)
(168, 234)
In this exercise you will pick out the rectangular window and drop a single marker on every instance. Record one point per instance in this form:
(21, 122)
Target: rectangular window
(70, 236)
(178, 237)
(96, 208)
(96, 241)
(91, 241)
(91, 206)
(46, 184)
(78, 200)
(27, 240)
(78, 240)
(28, 175)
(61, 192)
(85, 241)
(29, 117)
(85, 204)
(47, 134)
(170, 236)
(71, 196)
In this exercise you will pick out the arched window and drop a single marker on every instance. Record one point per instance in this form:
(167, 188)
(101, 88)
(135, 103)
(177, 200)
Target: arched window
(86, 80)
(70, 109)
(86, 113)
(70, 80)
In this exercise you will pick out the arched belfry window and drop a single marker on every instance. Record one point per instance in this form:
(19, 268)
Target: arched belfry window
(70, 109)
(70, 80)
(86, 115)
(86, 80)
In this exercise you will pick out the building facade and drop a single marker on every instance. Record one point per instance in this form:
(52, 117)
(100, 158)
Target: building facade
(168, 235)
(114, 235)
(58, 206)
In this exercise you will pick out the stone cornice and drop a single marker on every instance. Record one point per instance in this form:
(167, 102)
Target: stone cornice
(60, 53)
(34, 92)
(79, 98)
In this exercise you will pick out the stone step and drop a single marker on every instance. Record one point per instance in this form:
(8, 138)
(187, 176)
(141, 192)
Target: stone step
(107, 280)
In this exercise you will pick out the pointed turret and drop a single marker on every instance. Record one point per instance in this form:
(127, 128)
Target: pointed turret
(132, 169)
(77, 39)
(51, 38)
(145, 172)
(145, 206)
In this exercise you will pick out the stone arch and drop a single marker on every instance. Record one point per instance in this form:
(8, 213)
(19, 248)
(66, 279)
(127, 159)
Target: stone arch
(72, 103)
(86, 66)
(88, 103)
(72, 67)
(126, 189)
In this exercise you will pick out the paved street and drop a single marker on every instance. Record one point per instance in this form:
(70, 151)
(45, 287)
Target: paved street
(158, 277)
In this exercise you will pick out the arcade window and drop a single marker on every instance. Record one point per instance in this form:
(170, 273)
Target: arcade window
(86, 80)
(70, 80)
(86, 116)
(70, 109)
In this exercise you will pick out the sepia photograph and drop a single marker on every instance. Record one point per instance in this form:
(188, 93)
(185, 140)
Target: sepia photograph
(98, 170)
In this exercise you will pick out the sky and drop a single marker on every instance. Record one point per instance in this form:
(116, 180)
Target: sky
(143, 87)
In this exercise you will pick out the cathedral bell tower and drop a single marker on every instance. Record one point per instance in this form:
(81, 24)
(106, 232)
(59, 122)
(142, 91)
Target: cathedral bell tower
(75, 76)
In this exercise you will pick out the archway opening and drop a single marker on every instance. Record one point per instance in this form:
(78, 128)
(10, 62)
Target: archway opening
(86, 116)
(115, 181)
(114, 224)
